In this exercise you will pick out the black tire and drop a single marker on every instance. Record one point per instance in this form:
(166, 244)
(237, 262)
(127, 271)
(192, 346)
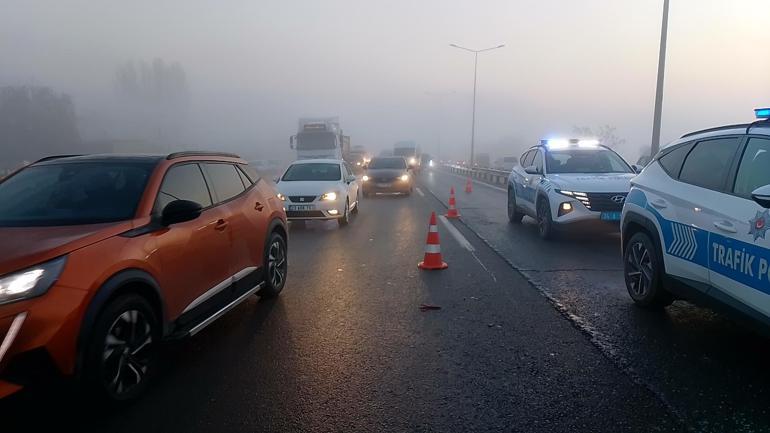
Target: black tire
(514, 215)
(358, 203)
(275, 266)
(345, 218)
(545, 227)
(643, 272)
(122, 354)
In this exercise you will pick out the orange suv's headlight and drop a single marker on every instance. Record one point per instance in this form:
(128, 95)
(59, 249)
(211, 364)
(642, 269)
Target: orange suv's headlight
(30, 282)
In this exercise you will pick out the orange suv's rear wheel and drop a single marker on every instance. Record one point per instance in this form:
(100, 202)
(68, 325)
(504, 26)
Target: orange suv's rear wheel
(275, 266)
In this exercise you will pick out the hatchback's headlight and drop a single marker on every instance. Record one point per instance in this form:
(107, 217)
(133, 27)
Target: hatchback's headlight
(30, 282)
(281, 196)
(329, 196)
(404, 177)
(365, 178)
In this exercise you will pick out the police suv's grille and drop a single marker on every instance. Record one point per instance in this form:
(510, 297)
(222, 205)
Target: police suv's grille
(302, 198)
(604, 201)
(304, 214)
(385, 179)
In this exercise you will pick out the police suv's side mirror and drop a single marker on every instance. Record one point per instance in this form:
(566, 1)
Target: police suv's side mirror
(761, 195)
(350, 179)
(637, 168)
(532, 170)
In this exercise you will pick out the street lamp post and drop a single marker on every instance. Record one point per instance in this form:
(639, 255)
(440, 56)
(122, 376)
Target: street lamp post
(475, 68)
(655, 145)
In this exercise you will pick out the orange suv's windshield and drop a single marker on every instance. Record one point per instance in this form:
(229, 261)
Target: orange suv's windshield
(73, 193)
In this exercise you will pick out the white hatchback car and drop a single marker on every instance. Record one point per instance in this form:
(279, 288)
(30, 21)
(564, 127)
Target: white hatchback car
(565, 183)
(319, 189)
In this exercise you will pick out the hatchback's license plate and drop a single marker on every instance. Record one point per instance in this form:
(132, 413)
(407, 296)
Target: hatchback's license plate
(383, 185)
(301, 207)
(610, 216)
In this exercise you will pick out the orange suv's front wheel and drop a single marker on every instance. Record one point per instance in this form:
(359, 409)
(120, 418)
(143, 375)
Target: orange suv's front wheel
(122, 355)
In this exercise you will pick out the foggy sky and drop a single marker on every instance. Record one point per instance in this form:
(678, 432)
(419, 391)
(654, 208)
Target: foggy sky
(254, 67)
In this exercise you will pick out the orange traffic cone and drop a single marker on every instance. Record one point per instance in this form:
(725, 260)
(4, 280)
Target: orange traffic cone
(432, 260)
(468, 186)
(452, 211)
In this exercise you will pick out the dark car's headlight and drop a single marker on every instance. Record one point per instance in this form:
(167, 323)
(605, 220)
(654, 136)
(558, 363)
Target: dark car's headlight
(404, 177)
(30, 282)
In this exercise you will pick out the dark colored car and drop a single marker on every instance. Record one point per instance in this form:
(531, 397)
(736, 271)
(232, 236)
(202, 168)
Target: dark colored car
(387, 175)
(105, 256)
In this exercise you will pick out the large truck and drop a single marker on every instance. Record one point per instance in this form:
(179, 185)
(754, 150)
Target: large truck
(410, 152)
(320, 137)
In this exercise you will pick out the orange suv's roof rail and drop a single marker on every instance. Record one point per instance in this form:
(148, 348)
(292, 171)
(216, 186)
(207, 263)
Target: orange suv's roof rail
(48, 158)
(176, 155)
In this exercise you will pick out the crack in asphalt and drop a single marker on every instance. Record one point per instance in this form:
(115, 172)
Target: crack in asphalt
(565, 269)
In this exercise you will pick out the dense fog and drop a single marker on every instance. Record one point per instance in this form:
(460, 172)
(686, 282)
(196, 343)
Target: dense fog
(147, 76)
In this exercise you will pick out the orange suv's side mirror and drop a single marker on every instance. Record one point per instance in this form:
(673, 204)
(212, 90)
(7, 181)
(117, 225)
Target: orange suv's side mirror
(179, 211)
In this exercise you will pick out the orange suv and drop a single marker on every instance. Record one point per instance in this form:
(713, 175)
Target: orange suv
(104, 256)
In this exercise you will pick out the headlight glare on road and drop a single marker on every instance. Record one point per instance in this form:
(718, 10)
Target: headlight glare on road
(329, 196)
(404, 177)
(31, 282)
(365, 178)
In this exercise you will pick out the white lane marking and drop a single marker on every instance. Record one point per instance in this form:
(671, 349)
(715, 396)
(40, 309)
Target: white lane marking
(419, 191)
(476, 182)
(484, 267)
(465, 244)
(456, 234)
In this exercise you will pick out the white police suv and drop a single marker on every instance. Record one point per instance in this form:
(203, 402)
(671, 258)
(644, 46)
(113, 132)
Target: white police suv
(695, 223)
(563, 183)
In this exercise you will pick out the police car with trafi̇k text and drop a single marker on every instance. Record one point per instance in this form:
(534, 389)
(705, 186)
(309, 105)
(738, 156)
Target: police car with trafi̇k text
(695, 223)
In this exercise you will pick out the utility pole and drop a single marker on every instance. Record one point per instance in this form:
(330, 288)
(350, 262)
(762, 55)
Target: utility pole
(440, 96)
(655, 145)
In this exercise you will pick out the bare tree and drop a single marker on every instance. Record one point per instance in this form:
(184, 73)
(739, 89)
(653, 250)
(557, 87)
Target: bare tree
(606, 134)
(35, 122)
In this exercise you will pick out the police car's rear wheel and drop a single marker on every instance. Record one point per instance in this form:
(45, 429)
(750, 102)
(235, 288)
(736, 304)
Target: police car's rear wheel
(514, 215)
(642, 269)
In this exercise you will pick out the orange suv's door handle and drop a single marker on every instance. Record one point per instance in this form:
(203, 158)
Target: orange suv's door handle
(259, 206)
(221, 225)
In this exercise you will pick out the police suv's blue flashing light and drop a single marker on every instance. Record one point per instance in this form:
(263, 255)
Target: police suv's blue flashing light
(762, 113)
(561, 143)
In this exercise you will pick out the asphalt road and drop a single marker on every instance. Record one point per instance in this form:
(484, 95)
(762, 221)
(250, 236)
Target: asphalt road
(345, 347)
(711, 372)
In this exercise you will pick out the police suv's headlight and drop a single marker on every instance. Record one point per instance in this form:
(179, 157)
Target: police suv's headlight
(329, 196)
(365, 178)
(404, 177)
(31, 282)
(580, 196)
(281, 196)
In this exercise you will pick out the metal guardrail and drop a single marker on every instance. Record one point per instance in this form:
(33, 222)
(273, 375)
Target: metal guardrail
(487, 175)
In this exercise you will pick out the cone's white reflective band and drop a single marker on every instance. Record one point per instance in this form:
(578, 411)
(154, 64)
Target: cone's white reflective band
(433, 229)
(432, 249)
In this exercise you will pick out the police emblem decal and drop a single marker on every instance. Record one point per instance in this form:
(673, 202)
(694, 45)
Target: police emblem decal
(759, 225)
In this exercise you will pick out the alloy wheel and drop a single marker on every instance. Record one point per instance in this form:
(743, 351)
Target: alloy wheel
(126, 357)
(639, 270)
(276, 264)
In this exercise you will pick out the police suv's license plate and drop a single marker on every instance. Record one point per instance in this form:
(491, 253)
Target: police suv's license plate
(610, 216)
(383, 185)
(301, 207)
